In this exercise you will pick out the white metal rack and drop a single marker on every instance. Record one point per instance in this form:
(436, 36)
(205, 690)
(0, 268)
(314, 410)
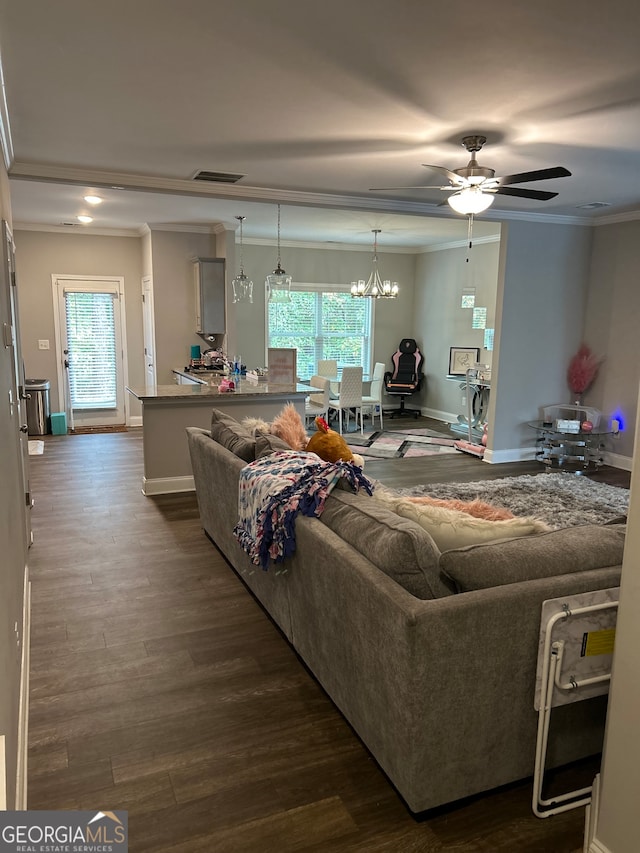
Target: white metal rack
(570, 626)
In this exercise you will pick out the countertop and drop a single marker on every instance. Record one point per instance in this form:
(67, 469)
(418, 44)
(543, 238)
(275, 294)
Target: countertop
(245, 389)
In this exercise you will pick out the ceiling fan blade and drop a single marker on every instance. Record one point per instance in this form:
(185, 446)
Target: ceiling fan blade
(421, 187)
(538, 175)
(540, 195)
(455, 179)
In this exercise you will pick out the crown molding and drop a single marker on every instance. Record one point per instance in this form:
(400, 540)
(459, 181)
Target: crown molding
(148, 183)
(331, 246)
(629, 216)
(78, 230)
(458, 244)
(180, 226)
(153, 183)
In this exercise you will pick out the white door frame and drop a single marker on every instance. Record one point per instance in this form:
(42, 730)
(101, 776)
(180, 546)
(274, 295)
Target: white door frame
(107, 279)
(149, 330)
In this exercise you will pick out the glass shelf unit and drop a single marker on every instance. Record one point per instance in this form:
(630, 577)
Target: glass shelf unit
(576, 452)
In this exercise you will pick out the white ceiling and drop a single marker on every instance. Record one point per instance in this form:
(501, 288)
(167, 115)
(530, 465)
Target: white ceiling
(314, 103)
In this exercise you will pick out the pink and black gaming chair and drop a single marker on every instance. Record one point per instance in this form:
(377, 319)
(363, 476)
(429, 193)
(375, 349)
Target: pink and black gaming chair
(406, 377)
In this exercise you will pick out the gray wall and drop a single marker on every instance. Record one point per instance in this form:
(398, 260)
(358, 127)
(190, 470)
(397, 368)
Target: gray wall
(174, 296)
(541, 305)
(441, 323)
(393, 318)
(40, 254)
(612, 323)
(12, 535)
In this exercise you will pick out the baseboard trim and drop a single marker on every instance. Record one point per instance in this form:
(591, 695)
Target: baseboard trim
(135, 421)
(516, 454)
(436, 414)
(616, 460)
(23, 710)
(167, 485)
(591, 844)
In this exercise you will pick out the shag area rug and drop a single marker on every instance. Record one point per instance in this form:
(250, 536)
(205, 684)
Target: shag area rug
(562, 500)
(395, 444)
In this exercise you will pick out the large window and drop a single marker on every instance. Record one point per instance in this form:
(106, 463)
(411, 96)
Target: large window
(322, 322)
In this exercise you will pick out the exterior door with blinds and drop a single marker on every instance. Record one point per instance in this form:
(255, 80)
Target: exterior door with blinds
(90, 344)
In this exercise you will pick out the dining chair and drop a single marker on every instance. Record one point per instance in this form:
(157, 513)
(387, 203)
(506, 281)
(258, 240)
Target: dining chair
(350, 396)
(328, 367)
(374, 397)
(317, 403)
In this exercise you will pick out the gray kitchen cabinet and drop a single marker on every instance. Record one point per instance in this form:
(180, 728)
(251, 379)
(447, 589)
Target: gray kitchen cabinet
(210, 296)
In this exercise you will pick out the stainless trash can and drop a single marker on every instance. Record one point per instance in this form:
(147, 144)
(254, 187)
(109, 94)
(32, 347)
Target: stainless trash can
(38, 405)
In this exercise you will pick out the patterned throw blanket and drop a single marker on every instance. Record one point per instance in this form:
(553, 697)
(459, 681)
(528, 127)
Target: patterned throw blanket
(274, 489)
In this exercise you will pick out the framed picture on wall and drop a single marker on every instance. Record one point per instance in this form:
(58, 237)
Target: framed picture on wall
(461, 359)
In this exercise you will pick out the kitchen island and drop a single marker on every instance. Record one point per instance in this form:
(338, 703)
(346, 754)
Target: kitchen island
(167, 410)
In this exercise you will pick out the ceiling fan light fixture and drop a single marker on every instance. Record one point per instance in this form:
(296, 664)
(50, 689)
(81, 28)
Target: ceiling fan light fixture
(470, 201)
(375, 287)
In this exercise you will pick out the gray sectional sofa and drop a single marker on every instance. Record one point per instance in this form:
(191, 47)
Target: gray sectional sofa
(438, 683)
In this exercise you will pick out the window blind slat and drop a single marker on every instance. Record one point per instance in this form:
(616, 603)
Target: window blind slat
(91, 341)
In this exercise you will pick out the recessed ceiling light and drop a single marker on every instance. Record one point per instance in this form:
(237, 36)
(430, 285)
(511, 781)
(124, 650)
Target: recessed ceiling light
(84, 219)
(93, 199)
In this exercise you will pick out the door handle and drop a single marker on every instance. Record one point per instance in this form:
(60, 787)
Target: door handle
(24, 428)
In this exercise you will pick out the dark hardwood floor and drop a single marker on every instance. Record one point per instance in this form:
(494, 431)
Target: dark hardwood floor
(159, 685)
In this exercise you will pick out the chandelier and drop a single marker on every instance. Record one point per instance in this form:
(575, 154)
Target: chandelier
(242, 284)
(278, 282)
(375, 287)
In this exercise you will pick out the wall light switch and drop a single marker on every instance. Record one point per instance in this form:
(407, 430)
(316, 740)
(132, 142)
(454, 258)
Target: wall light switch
(43, 344)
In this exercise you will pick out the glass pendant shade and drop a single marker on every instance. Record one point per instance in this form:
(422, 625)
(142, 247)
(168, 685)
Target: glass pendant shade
(242, 284)
(242, 288)
(278, 282)
(375, 287)
(470, 201)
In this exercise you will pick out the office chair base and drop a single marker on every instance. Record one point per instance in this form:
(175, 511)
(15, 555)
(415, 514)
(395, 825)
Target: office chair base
(401, 412)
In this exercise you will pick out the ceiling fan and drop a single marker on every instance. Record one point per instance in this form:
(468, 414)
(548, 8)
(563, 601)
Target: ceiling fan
(475, 186)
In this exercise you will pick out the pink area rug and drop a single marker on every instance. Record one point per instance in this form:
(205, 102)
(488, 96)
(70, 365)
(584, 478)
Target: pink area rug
(396, 444)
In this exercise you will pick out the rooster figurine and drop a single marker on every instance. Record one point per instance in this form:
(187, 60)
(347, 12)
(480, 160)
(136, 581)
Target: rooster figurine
(330, 446)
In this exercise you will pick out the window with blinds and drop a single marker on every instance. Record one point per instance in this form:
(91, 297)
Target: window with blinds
(322, 323)
(91, 342)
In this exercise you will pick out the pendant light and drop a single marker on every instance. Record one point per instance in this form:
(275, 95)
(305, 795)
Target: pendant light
(375, 287)
(242, 284)
(278, 282)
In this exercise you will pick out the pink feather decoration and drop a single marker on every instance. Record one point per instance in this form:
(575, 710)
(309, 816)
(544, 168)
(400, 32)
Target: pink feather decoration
(582, 370)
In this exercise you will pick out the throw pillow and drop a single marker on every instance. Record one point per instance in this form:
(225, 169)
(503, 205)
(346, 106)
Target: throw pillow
(266, 444)
(454, 529)
(230, 433)
(560, 552)
(477, 508)
(395, 545)
(288, 426)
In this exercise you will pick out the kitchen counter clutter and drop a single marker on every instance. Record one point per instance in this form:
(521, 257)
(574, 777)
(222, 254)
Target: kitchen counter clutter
(167, 411)
(208, 385)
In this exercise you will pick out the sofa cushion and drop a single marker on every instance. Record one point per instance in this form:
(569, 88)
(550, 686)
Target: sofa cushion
(231, 434)
(454, 529)
(266, 444)
(395, 545)
(560, 552)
